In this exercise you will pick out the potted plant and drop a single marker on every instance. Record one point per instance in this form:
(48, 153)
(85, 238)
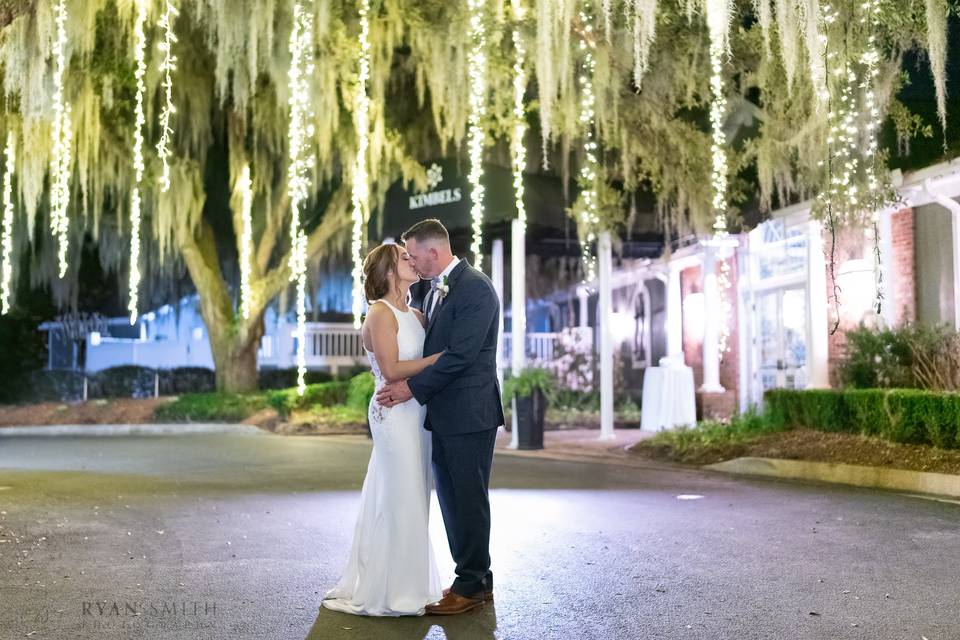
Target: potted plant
(531, 390)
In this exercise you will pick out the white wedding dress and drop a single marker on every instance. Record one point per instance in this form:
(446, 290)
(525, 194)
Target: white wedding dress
(392, 570)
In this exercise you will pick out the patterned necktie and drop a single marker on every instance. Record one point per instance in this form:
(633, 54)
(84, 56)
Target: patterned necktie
(432, 301)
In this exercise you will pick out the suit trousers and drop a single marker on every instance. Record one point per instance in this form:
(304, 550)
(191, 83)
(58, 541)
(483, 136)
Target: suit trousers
(461, 465)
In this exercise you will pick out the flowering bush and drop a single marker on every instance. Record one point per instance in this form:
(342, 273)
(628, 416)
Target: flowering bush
(573, 361)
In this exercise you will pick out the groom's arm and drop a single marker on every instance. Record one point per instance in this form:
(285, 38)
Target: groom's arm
(474, 317)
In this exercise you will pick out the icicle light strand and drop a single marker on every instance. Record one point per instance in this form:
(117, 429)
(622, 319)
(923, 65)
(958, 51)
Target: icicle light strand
(62, 141)
(6, 277)
(246, 239)
(519, 114)
(301, 131)
(718, 19)
(140, 48)
(588, 170)
(167, 67)
(478, 101)
(361, 188)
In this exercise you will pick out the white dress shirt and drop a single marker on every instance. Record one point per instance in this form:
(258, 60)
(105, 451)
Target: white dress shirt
(436, 282)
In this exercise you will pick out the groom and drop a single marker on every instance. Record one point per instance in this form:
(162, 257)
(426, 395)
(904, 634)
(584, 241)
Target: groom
(464, 409)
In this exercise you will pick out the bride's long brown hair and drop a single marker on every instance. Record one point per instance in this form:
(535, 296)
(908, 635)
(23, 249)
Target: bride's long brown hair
(376, 268)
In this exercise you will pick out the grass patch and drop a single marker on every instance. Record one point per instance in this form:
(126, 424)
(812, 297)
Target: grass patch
(211, 407)
(710, 439)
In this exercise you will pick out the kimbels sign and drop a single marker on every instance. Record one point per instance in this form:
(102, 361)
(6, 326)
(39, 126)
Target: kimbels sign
(436, 193)
(446, 197)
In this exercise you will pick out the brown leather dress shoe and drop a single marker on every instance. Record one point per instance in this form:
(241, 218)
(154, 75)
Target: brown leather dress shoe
(452, 604)
(487, 595)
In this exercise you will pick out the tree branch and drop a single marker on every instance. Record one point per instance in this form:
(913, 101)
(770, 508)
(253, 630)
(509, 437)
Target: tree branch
(335, 220)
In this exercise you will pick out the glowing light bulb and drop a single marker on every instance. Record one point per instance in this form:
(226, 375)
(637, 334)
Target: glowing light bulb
(6, 266)
(361, 186)
(140, 47)
(62, 142)
(167, 67)
(246, 239)
(301, 68)
(477, 64)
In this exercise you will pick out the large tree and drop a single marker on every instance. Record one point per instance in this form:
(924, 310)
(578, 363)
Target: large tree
(651, 97)
(231, 95)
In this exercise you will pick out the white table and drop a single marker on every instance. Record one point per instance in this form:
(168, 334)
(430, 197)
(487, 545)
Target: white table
(668, 398)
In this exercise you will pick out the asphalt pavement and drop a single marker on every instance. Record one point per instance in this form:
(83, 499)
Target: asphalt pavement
(238, 535)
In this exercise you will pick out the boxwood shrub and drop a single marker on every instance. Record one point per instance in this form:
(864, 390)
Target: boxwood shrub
(913, 416)
(325, 394)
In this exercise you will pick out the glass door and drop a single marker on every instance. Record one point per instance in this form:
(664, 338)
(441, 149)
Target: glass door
(780, 343)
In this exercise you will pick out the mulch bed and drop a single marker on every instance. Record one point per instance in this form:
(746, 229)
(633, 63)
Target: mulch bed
(114, 411)
(818, 446)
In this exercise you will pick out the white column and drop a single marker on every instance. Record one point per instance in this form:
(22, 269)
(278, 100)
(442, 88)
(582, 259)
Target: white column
(583, 297)
(818, 362)
(885, 231)
(496, 272)
(674, 314)
(518, 310)
(712, 316)
(954, 207)
(604, 311)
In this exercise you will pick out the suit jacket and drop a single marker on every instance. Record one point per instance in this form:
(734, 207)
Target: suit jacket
(461, 390)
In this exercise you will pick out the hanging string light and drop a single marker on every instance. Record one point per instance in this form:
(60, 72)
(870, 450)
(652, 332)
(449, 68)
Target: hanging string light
(726, 307)
(301, 131)
(62, 141)
(871, 63)
(477, 63)
(167, 66)
(140, 47)
(361, 188)
(245, 186)
(588, 218)
(719, 14)
(519, 113)
(718, 21)
(6, 267)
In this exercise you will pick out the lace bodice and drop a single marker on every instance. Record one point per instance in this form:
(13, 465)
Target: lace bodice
(410, 335)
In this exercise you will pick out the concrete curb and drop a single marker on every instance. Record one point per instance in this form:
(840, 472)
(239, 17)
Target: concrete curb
(941, 484)
(128, 429)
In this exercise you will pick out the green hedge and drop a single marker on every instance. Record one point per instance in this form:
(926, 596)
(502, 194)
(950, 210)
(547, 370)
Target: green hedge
(911, 416)
(211, 407)
(360, 390)
(325, 394)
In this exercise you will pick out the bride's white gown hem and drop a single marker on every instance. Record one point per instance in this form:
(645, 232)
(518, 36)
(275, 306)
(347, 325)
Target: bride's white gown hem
(391, 569)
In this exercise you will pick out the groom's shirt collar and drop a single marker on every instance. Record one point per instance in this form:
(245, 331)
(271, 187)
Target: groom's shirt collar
(449, 268)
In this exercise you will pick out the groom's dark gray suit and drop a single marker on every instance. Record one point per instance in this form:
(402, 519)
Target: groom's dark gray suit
(464, 409)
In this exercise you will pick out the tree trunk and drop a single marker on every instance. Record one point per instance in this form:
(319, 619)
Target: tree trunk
(236, 365)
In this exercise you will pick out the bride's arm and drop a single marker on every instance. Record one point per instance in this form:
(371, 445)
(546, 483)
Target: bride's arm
(383, 336)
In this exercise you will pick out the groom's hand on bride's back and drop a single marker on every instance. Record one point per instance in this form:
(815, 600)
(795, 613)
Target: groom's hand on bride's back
(393, 393)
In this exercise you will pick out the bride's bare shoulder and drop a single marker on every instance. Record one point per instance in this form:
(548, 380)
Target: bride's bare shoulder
(378, 315)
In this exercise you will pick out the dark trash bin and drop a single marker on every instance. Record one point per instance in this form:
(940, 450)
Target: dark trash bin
(531, 412)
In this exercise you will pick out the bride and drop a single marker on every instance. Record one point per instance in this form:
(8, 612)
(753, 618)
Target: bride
(392, 570)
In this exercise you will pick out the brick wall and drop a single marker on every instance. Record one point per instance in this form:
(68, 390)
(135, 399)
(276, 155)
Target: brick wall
(902, 257)
(852, 244)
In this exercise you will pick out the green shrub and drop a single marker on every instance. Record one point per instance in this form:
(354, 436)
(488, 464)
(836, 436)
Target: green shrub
(914, 416)
(211, 407)
(684, 442)
(50, 385)
(360, 390)
(186, 380)
(325, 394)
(273, 378)
(529, 379)
(125, 381)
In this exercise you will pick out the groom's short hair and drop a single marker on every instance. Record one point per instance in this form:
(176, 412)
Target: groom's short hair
(429, 229)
